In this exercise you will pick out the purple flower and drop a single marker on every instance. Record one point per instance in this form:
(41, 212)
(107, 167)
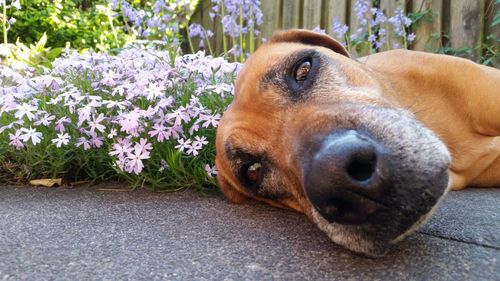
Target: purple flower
(411, 37)
(82, 141)
(339, 29)
(319, 30)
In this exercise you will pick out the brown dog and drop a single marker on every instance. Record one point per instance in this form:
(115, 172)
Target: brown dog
(362, 147)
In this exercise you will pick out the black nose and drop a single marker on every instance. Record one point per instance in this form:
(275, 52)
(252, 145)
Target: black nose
(346, 177)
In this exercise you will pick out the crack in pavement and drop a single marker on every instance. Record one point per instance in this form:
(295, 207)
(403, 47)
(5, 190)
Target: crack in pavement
(458, 240)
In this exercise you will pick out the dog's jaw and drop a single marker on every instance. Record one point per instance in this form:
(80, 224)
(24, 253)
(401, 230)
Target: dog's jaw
(423, 220)
(352, 240)
(342, 235)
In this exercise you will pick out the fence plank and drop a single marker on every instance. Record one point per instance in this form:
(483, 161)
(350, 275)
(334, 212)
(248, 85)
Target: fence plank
(208, 23)
(428, 31)
(491, 10)
(332, 9)
(389, 6)
(465, 23)
(291, 14)
(271, 17)
(311, 14)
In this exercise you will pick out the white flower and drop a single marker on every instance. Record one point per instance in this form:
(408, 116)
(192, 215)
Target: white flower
(32, 134)
(25, 109)
(62, 139)
(95, 123)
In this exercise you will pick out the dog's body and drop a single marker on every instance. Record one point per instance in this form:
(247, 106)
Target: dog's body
(361, 147)
(458, 99)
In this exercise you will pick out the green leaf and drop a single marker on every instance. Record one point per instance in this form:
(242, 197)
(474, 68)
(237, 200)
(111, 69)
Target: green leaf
(40, 46)
(54, 53)
(496, 20)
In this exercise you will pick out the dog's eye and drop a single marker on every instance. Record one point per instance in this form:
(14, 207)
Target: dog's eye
(252, 173)
(302, 70)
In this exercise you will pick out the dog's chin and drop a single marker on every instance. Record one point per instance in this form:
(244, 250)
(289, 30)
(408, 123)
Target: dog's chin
(375, 239)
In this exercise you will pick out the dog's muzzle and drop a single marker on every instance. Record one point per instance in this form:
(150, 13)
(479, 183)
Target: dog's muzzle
(347, 177)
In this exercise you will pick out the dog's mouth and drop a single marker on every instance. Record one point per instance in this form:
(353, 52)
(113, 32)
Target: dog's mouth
(369, 188)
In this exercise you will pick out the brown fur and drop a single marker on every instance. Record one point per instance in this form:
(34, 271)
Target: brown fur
(459, 101)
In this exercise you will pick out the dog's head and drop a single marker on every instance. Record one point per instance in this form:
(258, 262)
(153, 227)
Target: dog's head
(313, 130)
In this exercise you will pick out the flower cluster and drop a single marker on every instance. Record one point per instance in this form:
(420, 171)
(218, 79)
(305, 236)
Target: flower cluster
(147, 114)
(240, 20)
(162, 20)
(373, 24)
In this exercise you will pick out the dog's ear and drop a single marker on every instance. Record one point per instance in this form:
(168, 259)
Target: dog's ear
(309, 38)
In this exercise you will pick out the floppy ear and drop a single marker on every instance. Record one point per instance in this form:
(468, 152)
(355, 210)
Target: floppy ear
(309, 38)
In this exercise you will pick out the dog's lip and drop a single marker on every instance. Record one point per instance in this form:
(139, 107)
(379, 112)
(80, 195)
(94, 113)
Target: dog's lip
(370, 207)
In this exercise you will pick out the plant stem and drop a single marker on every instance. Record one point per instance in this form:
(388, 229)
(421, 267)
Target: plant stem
(224, 39)
(4, 21)
(242, 58)
(189, 40)
(110, 19)
(369, 35)
(251, 35)
(208, 43)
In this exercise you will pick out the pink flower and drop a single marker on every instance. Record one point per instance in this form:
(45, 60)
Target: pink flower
(15, 140)
(130, 121)
(183, 144)
(179, 115)
(143, 145)
(95, 123)
(210, 120)
(45, 120)
(211, 171)
(175, 131)
(160, 132)
(120, 149)
(199, 142)
(134, 163)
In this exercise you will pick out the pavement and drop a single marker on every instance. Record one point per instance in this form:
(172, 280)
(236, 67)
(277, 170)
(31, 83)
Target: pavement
(95, 234)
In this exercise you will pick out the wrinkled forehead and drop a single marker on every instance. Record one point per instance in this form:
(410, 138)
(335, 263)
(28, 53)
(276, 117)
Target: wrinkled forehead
(264, 59)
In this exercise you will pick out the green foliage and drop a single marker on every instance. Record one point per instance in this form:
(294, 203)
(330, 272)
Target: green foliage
(35, 55)
(82, 23)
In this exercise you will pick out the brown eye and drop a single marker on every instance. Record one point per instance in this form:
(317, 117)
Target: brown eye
(253, 172)
(302, 71)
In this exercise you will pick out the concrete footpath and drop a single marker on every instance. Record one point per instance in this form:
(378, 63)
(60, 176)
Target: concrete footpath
(92, 234)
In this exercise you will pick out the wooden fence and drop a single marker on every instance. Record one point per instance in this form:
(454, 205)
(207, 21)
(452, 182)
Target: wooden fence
(455, 23)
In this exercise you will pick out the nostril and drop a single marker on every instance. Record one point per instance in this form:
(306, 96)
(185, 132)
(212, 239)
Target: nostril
(362, 167)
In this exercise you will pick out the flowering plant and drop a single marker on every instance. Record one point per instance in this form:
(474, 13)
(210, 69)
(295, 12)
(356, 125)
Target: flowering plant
(145, 115)
(240, 21)
(372, 34)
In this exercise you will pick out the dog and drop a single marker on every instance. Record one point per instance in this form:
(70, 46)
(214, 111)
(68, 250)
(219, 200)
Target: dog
(366, 148)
